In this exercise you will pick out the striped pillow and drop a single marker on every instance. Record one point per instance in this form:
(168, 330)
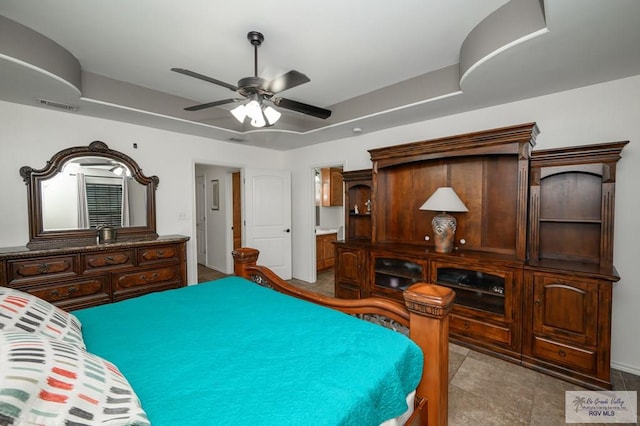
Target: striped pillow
(49, 382)
(26, 312)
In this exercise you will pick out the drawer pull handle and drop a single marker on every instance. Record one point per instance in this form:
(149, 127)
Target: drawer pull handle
(109, 259)
(43, 268)
(153, 277)
(562, 353)
(467, 325)
(160, 253)
(70, 291)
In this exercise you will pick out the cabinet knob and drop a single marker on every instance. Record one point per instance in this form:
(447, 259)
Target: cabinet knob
(538, 302)
(562, 353)
(467, 325)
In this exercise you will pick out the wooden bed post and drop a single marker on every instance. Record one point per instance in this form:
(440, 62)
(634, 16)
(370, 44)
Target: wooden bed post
(242, 258)
(429, 306)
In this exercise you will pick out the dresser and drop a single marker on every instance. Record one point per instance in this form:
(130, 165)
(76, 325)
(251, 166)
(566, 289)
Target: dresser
(75, 277)
(70, 259)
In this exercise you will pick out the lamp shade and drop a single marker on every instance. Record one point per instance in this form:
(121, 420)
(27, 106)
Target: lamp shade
(444, 199)
(259, 114)
(239, 113)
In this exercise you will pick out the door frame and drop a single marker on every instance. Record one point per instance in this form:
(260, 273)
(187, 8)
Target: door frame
(203, 203)
(228, 193)
(312, 220)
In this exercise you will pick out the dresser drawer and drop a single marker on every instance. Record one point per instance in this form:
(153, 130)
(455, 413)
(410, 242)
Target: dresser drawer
(71, 289)
(569, 356)
(135, 283)
(148, 277)
(480, 330)
(101, 261)
(149, 255)
(41, 268)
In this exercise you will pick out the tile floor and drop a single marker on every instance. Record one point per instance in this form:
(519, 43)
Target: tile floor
(485, 391)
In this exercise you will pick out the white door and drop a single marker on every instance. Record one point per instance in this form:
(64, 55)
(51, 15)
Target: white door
(201, 228)
(267, 208)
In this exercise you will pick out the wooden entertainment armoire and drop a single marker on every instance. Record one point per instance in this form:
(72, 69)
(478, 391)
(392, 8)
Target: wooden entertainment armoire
(532, 266)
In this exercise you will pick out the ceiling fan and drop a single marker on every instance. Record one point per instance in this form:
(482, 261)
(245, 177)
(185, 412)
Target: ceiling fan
(258, 90)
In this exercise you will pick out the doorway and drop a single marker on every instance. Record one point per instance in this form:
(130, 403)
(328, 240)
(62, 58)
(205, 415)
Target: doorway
(257, 214)
(218, 203)
(328, 217)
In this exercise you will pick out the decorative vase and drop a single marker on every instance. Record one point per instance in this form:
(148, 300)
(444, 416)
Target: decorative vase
(444, 229)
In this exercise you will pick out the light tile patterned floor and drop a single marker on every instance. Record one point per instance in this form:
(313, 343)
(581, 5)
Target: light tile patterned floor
(486, 391)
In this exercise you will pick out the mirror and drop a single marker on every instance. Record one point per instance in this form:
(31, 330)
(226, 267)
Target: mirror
(83, 188)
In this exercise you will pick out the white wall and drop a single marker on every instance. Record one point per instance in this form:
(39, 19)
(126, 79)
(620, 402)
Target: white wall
(29, 136)
(600, 113)
(331, 217)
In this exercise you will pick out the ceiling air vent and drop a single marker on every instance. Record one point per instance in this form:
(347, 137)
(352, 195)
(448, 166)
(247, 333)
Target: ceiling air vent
(58, 105)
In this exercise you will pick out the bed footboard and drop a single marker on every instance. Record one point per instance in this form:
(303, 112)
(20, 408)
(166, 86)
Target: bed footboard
(425, 314)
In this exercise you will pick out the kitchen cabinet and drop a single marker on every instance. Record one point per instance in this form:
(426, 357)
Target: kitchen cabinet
(332, 188)
(325, 253)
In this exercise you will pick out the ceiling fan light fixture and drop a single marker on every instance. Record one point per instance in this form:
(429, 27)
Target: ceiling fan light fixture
(253, 108)
(240, 113)
(258, 122)
(272, 115)
(259, 114)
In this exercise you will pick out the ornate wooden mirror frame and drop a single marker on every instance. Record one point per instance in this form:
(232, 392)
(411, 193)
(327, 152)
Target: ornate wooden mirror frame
(39, 237)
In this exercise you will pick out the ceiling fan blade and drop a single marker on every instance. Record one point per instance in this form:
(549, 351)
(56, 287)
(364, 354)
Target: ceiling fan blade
(205, 78)
(210, 104)
(303, 108)
(287, 81)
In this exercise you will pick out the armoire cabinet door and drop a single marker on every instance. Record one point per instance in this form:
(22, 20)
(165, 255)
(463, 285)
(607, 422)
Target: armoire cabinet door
(566, 309)
(350, 273)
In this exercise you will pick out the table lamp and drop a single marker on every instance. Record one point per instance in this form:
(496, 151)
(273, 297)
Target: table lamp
(443, 200)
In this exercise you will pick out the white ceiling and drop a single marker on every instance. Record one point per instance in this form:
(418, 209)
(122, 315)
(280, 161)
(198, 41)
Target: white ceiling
(375, 64)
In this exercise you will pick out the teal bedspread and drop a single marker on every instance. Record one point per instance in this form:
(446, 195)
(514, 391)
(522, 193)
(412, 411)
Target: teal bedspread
(232, 352)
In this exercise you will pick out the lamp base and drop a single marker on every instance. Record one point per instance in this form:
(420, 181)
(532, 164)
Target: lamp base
(444, 229)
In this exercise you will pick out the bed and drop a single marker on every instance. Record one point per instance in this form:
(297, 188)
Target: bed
(231, 352)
